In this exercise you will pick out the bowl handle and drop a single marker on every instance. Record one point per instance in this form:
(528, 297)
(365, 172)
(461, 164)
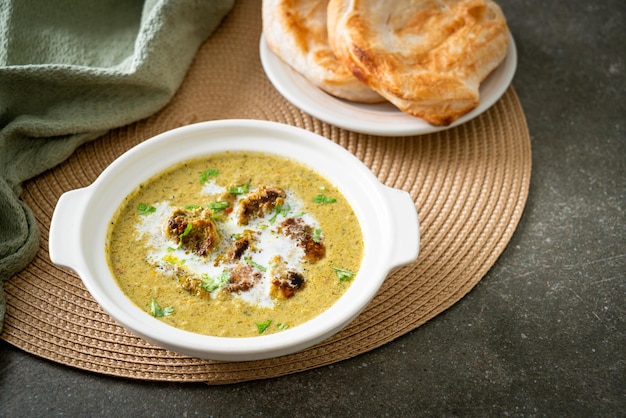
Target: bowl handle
(406, 227)
(64, 243)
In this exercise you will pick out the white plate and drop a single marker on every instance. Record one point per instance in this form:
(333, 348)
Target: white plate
(378, 119)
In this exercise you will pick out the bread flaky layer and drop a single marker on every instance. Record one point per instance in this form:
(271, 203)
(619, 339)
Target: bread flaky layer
(427, 57)
(296, 31)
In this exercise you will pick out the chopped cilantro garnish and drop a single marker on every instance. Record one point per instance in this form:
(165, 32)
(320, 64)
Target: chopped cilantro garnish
(210, 284)
(217, 206)
(344, 275)
(144, 209)
(204, 176)
(249, 261)
(282, 327)
(180, 241)
(317, 235)
(280, 210)
(323, 199)
(263, 326)
(191, 207)
(244, 188)
(186, 231)
(157, 311)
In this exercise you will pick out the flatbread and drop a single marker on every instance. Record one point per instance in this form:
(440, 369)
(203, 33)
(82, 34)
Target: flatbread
(427, 57)
(295, 30)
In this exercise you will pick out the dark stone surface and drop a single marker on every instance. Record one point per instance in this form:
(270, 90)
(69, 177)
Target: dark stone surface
(541, 335)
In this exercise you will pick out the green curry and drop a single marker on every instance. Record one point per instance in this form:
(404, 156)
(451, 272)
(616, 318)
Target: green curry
(236, 244)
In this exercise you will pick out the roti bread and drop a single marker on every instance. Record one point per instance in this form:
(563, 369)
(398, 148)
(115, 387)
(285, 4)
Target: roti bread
(296, 31)
(427, 57)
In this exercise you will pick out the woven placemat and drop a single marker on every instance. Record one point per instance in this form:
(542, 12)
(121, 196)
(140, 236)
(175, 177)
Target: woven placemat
(469, 185)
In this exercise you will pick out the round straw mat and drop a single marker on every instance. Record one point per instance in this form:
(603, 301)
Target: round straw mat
(469, 185)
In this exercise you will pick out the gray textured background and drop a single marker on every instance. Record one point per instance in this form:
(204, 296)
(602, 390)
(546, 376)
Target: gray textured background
(541, 335)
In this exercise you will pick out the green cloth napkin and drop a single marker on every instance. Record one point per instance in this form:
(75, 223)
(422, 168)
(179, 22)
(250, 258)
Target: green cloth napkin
(70, 70)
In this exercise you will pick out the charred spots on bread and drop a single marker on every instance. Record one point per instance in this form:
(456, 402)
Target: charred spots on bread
(364, 59)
